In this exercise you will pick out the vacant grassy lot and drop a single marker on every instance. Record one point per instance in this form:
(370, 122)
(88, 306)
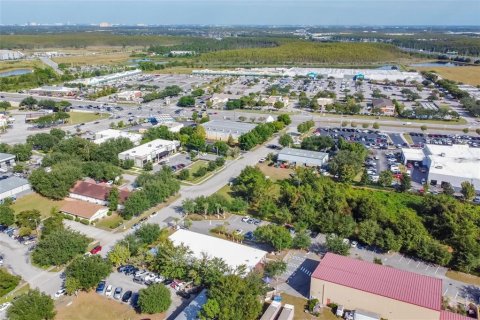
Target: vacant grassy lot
(464, 277)
(300, 303)
(467, 74)
(109, 223)
(36, 201)
(91, 305)
(19, 64)
(226, 191)
(95, 59)
(81, 117)
(274, 173)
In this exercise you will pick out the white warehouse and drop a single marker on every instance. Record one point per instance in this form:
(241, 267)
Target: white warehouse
(303, 157)
(222, 129)
(152, 151)
(10, 187)
(105, 135)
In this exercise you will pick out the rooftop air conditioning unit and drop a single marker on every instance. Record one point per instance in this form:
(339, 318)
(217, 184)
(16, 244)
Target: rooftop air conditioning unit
(438, 167)
(442, 154)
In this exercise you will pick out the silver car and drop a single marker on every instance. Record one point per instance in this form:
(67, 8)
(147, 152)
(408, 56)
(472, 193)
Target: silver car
(118, 293)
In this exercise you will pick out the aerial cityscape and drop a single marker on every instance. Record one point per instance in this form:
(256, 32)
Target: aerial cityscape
(239, 160)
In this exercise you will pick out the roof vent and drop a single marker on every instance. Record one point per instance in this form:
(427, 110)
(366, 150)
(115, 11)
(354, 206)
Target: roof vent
(438, 167)
(442, 154)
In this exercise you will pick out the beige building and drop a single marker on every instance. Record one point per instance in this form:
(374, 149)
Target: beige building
(393, 294)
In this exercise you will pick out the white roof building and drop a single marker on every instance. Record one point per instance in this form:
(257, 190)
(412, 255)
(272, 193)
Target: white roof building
(105, 135)
(222, 129)
(108, 78)
(234, 254)
(152, 151)
(173, 126)
(303, 157)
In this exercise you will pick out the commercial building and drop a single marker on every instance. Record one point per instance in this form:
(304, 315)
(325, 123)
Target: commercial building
(96, 193)
(130, 95)
(7, 160)
(84, 210)
(393, 294)
(10, 55)
(323, 102)
(105, 135)
(288, 312)
(191, 311)
(303, 157)
(10, 187)
(173, 126)
(219, 99)
(453, 164)
(234, 254)
(55, 91)
(222, 129)
(108, 78)
(385, 106)
(152, 151)
(272, 311)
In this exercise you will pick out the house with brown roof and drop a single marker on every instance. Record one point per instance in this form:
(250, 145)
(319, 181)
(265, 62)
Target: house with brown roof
(384, 106)
(96, 193)
(83, 210)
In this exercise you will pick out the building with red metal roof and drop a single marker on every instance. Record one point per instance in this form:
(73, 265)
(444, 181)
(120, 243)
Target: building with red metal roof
(392, 293)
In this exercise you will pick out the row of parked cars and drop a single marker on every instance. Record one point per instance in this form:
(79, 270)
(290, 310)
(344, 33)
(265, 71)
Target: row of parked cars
(12, 233)
(117, 293)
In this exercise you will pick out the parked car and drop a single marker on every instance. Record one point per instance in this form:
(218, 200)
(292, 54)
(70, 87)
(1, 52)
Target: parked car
(126, 296)
(118, 293)
(109, 290)
(5, 306)
(96, 250)
(183, 294)
(60, 293)
(100, 287)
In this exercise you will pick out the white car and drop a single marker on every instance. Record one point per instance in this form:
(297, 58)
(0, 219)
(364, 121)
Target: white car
(239, 231)
(354, 244)
(245, 219)
(5, 306)
(109, 291)
(262, 160)
(60, 293)
(150, 277)
(158, 279)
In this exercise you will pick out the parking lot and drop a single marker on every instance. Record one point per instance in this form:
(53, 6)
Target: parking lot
(300, 266)
(420, 139)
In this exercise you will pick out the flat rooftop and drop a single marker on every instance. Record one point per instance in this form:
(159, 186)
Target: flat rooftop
(6, 156)
(228, 126)
(303, 153)
(149, 147)
(11, 183)
(232, 253)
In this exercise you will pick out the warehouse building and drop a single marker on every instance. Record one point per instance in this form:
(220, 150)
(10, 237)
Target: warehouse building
(55, 91)
(453, 164)
(105, 135)
(393, 294)
(152, 151)
(300, 157)
(7, 160)
(234, 254)
(96, 193)
(12, 186)
(222, 129)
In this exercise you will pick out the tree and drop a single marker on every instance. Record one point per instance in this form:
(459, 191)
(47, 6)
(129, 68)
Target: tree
(368, 231)
(376, 126)
(135, 204)
(275, 268)
(5, 105)
(286, 140)
(336, 245)
(468, 190)
(233, 297)
(423, 128)
(448, 188)
(7, 215)
(59, 247)
(285, 118)
(28, 102)
(186, 101)
(33, 305)
(23, 152)
(278, 236)
(385, 178)
(8, 282)
(346, 164)
(251, 184)
(302, 240)
(113, 199)
(184, 174)
(28, 219)
(154, 299)
(118, 255)
(88, 271)
(148, 233)
(365, 180)
(405, 182)
(148, 166)
(52, 224)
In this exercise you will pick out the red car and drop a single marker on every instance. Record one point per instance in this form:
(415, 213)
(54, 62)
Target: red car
(96, 250)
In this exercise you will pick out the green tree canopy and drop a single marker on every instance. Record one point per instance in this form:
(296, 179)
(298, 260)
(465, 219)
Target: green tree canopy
(154, 299)
(33, 305)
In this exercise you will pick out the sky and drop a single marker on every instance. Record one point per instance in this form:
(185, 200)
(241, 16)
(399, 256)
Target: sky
(243, 12)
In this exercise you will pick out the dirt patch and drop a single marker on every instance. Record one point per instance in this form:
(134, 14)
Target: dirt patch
(275, 173)
(91, 305)
(464, 277)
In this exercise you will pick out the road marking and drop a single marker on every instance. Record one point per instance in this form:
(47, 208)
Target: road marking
(427, 267)
(401, 258)
(446, 290)
(437, 270)
(418, 264)
(456, 294)
(409, 261)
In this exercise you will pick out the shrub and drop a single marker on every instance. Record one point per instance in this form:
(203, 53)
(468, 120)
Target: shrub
(154, 299)
(376, 125)
(84, 221)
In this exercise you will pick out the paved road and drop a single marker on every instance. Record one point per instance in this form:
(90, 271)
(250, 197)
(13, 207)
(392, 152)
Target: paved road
(17, 260)
(49, 62)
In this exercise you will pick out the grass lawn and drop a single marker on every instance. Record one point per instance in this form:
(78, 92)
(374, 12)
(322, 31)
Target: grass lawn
(273, 173)
(19, 290)
(36, 201)
(300, 303)
(19, 64)
(466, 74)
(94, 306)
(95, 59)
(81, 117)
(226, 191)
(109, 223)
(464, 277)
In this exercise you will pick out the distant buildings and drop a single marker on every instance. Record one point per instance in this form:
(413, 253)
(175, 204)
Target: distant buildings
(385, 106)
(178, 53)
(55, 91)
(222, 129)
(152, 151)
(108, 78)
(303, 157)
(130, 95)
(173, 126)
(12, 186)
(393, 294)
(10, 55)
(453, 164)
(323, 102)
(105, 135)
